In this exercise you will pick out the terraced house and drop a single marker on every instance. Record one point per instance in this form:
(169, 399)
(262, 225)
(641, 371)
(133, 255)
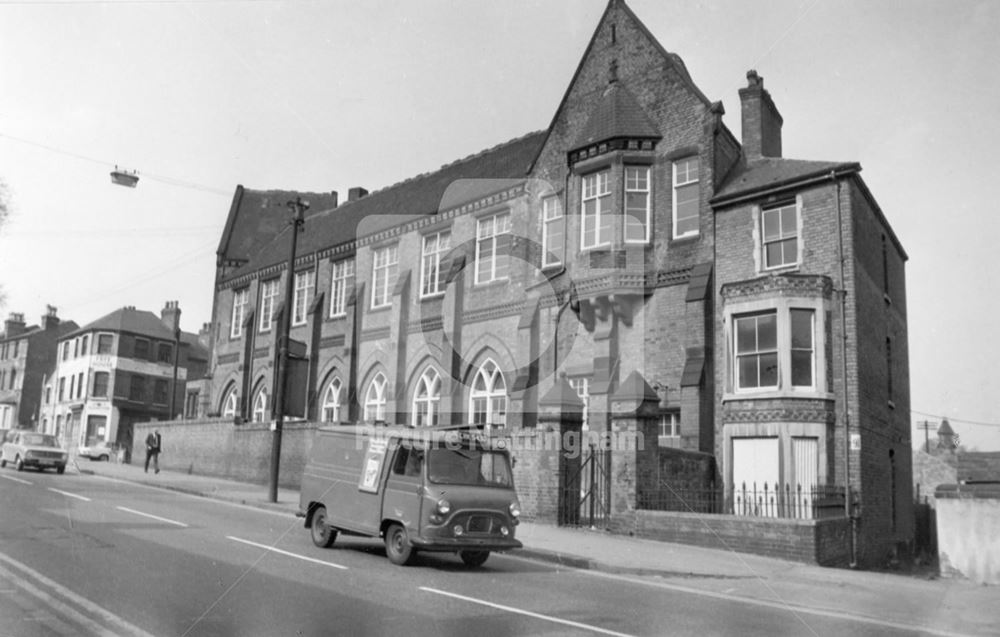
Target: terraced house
(754, 305)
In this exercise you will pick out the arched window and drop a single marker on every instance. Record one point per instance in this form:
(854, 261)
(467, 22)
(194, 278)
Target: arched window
(375, 398)
(426, 399)
(332, 401)
(260, 405)
(488, 398)
(229, 403)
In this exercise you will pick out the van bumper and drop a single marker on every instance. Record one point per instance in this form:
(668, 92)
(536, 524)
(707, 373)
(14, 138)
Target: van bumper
(464, 544)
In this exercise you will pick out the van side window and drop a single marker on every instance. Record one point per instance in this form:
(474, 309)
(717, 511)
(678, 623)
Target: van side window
(409, 462)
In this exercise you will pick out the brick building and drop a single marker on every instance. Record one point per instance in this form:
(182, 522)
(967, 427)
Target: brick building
(116, 371)
(760, 300)
(26, 354)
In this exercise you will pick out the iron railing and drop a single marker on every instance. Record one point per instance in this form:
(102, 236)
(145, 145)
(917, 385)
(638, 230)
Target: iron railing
(771, 500)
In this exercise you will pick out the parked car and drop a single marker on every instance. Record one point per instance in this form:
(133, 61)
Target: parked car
(100, 450)
(32, 449)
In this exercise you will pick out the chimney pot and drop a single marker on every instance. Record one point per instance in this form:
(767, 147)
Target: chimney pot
(356, 193)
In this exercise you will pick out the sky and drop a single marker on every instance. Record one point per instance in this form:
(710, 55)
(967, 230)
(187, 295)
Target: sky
(200, 96)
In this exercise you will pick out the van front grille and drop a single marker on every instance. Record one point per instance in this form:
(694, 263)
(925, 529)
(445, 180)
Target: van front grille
(479, 524)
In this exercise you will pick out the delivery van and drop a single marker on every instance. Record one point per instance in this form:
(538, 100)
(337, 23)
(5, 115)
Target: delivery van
(421, 489)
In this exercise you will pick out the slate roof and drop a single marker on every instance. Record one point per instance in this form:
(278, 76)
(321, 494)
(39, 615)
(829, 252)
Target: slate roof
(767, 173)
(260, 232)
(133, 321)
(617, 114)
(979, 466)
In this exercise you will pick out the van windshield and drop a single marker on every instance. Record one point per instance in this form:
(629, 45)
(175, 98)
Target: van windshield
(469, 466)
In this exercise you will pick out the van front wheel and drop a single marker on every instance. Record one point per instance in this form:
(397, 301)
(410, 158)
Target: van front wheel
(474, 558)
(397, 547)
(323, 535)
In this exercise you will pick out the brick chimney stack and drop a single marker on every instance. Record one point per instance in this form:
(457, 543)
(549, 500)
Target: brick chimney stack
(171, 316)
(50, 320)
(353, 194)
(761, 120)
(14, 325)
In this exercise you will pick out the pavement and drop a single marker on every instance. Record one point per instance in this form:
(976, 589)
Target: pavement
(926, 603)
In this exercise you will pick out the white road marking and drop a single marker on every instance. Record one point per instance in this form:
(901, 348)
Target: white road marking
(69, 495)
(152, 517)
(214, 500)
(779, 605)
(295, 555)
(13, 479)
(19, 574)
(511, 609)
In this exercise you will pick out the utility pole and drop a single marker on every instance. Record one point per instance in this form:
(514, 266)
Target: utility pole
(298, 208)
(926, 426)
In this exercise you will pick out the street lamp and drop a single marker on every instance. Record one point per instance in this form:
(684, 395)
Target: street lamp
(298, 208)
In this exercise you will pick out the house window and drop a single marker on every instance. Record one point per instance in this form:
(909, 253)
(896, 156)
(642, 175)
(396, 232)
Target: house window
(670, 425)
(164, 352)
(65, 353)
(79, 385)
(83, 346)
(191, 404)
(596, 227)
(160, 391)
(581, 384)
(268, 297)
(48, 394)
(240, 300)
(101, 384)
(686, 197)
(332, 401)
(137, 388)
(802, 347)
(493, 248)
(385, 263)
(780, 236)
(260, 405)
(141, 349)
(62, 388)
(757, 351)
(13, 378)
(375, 399)
(72, 386)
(488, 398)
(304, 282)
(229, 402)
(343, 275)
(432, 280)
(426, 399)
(637, 204)
(104, 343)
(553, 232)
(76, 348)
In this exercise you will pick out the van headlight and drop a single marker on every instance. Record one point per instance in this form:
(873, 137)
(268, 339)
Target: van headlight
(515, 509)
(443, 507)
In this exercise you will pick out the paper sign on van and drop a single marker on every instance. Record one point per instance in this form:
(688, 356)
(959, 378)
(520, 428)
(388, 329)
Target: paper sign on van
(374, 458)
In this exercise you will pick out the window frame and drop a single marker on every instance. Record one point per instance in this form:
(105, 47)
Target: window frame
(229, 406)
(98, 385)
(647, 212)
(428, 404)
(109, 339)
(304, 282)
(677, 184)
(141, 353)
(341, 272)
(602, 208)
(494, 390)
(332, 401)
(765, 242)
(241, 299)
(377, 400)
(494, 237)
(433, 260)
(552, 214)
(268, 296)
(758, 352)
(258, 412)
(384, 273)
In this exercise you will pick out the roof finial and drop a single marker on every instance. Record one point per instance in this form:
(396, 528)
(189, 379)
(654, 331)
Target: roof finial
(613, 72)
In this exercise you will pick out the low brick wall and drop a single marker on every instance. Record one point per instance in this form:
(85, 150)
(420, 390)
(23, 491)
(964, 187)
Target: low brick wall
(823, 542)
(220, 448)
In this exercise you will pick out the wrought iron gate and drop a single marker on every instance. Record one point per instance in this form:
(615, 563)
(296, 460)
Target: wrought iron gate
(586, 494)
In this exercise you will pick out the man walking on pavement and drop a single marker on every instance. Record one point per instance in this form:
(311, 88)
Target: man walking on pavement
(153, 450)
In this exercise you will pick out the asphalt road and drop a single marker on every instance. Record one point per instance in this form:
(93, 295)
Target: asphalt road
(85, 555)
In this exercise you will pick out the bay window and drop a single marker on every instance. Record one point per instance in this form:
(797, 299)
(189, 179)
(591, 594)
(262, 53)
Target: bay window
(596, 212)
(637, 204)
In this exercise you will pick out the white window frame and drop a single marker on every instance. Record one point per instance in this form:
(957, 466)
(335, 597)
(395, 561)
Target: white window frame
(682, 176)
(792, 349)
(758, 352)
(670, 424)
(230, 403)
(260, 405)
(332, 401)
(488, 396)
(553, 232)
(375, 398)
(639, 182)
(304, 282)
(490, 231)
(385, 266)
(784, 211)
(427, 399)
(343, 271)
(240, 300)
(433, 247)
(595, 188)
(268, 296)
